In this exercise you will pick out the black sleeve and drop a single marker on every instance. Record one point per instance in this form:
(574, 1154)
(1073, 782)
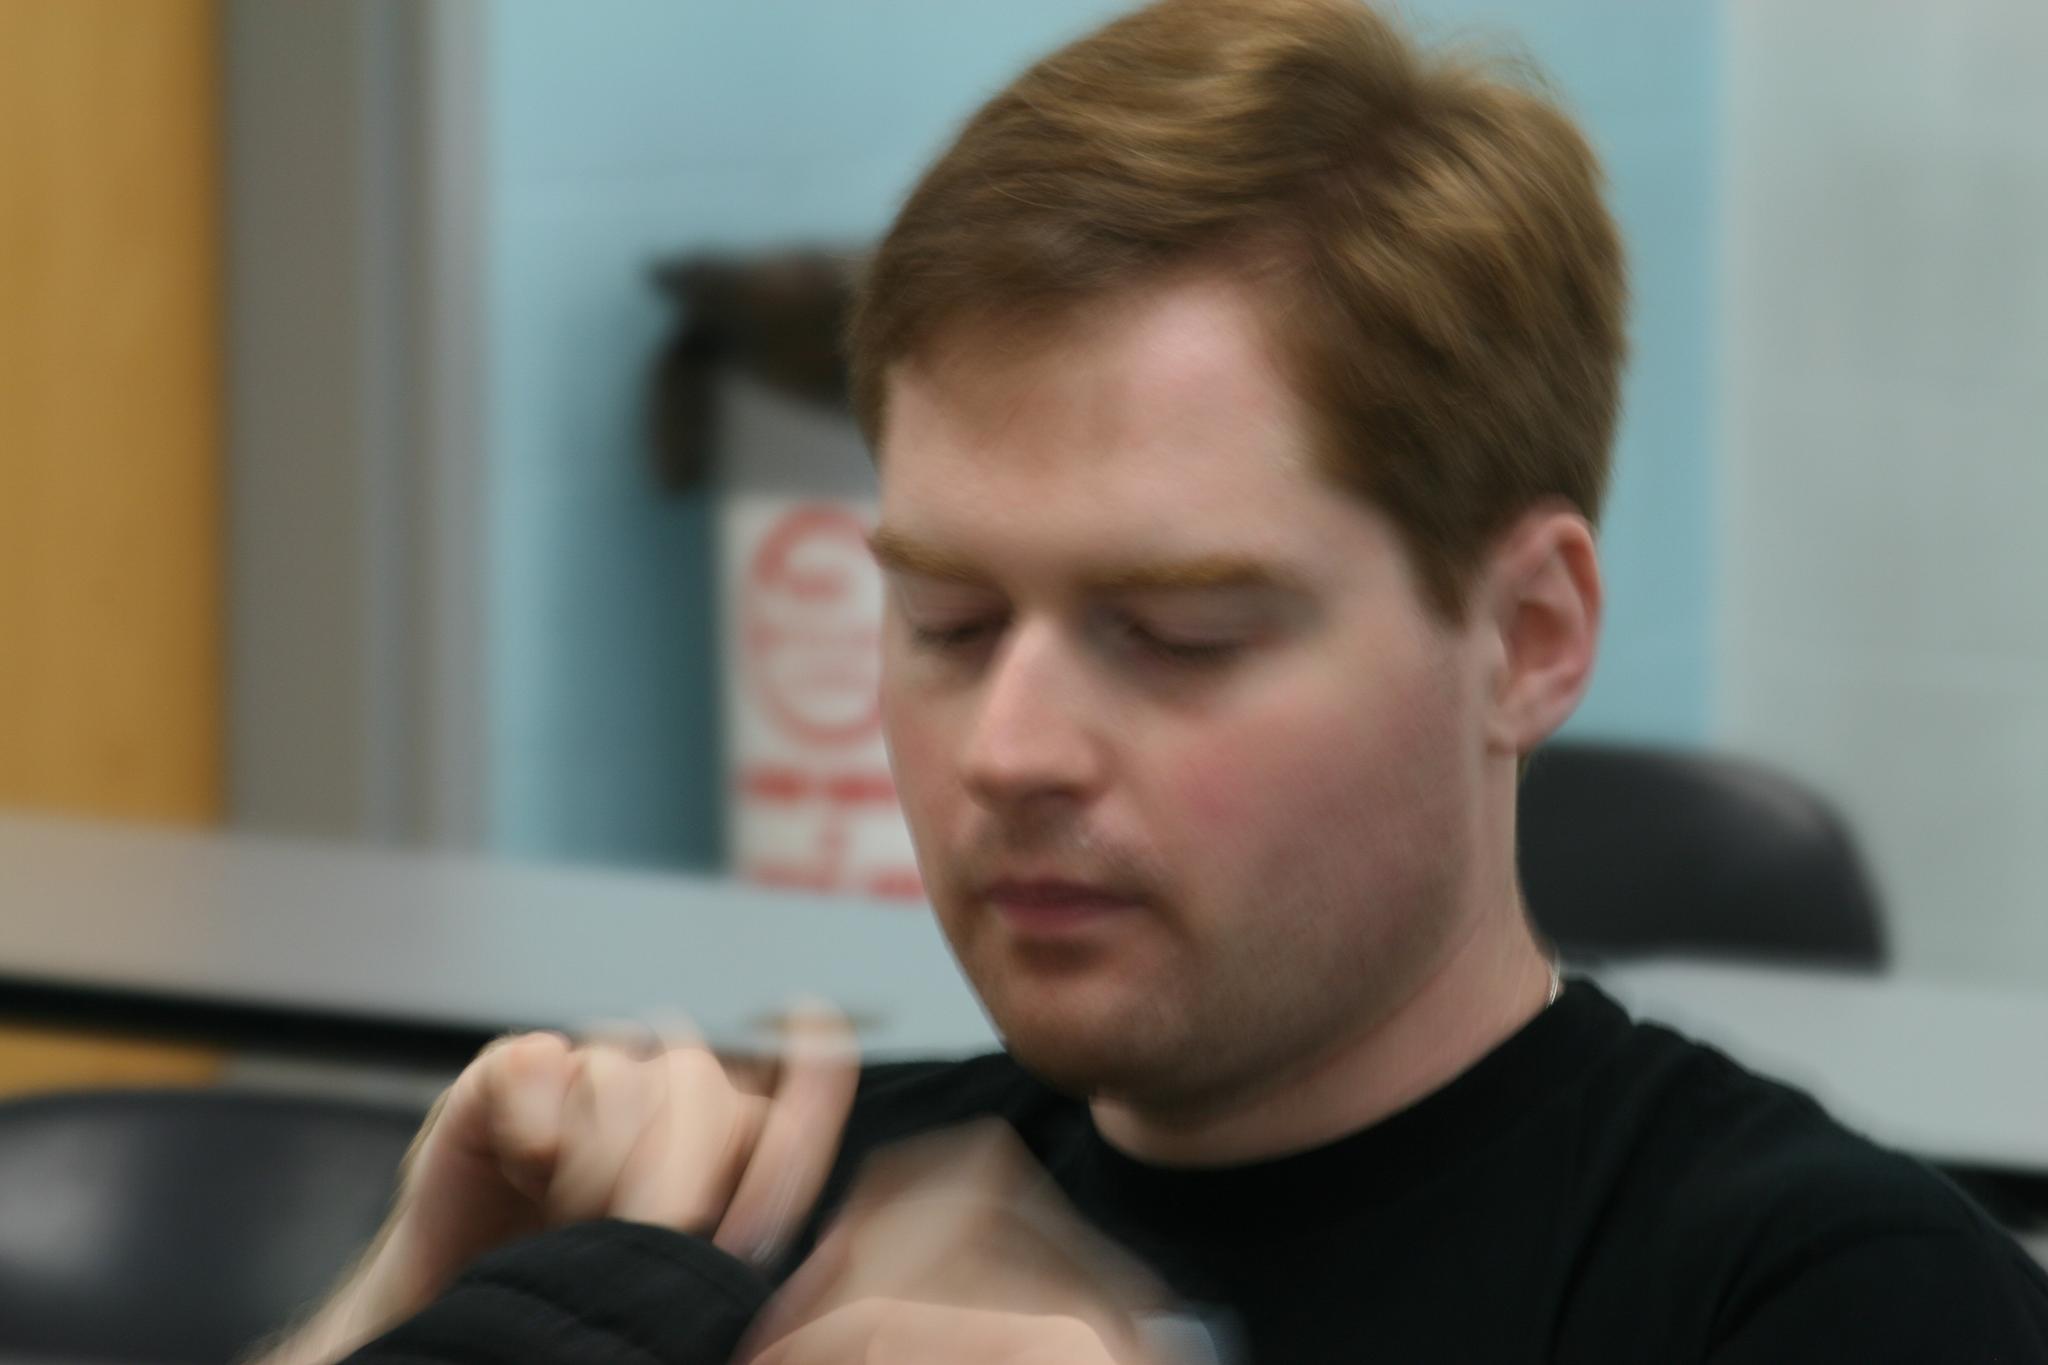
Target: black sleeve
(1918, 1297)
(601, 1293)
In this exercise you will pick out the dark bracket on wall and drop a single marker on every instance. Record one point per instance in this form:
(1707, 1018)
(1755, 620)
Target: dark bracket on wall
(777, 317)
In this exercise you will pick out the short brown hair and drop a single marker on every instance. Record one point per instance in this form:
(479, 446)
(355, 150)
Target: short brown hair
(1452, 283)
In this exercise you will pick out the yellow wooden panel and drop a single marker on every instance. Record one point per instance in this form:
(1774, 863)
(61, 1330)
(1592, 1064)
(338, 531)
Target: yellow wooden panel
(110, 444)
(110, 428)
(34, 1060)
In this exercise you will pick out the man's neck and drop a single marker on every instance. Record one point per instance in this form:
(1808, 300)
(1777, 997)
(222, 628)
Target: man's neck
(1486, 987)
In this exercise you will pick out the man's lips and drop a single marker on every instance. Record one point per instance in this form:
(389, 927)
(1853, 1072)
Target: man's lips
(1051, 905)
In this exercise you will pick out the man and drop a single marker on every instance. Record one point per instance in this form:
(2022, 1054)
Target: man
(1242, 383)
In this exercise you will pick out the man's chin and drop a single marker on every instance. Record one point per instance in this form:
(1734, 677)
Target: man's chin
(1071, 1070)
(1082, 1052)
(1084, 1017)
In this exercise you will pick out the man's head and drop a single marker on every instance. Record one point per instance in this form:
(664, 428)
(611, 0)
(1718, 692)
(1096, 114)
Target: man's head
(1242, 384)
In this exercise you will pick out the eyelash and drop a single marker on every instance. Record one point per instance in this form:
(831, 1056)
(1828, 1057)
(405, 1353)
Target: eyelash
(1173, 651)
(949, 637)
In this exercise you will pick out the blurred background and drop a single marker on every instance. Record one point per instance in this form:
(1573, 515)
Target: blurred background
(355, 481)
(327, 503)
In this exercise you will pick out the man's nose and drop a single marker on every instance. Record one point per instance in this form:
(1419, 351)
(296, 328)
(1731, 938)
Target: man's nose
(1033, 734)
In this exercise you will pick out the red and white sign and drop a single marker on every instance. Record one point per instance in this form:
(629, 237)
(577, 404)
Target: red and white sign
(810, 635)
(813, 805)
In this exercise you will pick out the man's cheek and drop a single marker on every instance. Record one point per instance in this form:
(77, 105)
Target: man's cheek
(919, 759)
(1233, 781)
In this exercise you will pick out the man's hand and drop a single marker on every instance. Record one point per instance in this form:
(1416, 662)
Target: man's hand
(907, 1332)
(953, 1249)
(538, 1132)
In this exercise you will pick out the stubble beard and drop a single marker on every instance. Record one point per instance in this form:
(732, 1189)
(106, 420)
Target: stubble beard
(1204, 1027)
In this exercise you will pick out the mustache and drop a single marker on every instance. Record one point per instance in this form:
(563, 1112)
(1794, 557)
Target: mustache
(1011, 848)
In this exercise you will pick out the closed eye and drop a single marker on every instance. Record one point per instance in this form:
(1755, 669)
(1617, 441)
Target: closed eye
(961, 635)
(1178, 649)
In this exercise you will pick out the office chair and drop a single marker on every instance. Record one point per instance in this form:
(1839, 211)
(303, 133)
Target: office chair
(177, 1226)
(1631, 851)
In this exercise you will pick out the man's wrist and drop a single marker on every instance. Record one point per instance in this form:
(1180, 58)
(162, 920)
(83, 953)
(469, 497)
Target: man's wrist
(374, 1296)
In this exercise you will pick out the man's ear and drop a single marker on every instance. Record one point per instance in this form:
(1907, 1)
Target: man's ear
(1542, 597)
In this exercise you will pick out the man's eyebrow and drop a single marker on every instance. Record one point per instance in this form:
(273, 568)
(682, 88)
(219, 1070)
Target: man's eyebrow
(894, 550)
(899, 552)
(1211, 571)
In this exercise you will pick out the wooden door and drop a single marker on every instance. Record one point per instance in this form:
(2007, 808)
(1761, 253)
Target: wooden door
(110, 438)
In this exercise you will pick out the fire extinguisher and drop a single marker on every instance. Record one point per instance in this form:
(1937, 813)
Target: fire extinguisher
(750, 399)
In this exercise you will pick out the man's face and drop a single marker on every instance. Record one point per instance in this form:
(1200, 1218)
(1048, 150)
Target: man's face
(1191, 769)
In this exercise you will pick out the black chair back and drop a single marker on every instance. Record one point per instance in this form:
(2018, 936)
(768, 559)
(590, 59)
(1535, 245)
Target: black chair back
(1628, 851)
(177, 1226)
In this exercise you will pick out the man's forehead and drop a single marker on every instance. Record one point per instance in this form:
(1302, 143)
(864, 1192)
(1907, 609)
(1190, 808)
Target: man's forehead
(1157, 447)
(1182, 356)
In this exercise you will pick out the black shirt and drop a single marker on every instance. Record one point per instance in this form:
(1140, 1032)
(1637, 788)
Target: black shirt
(1592, 1190)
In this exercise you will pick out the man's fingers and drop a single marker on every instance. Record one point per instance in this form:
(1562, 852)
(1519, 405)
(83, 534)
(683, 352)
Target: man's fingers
(682, 1172)
(508, 1090)
(673, 1030)
(799, 1136)
(525, 1083)
(650, 1127)
(753, 1075)
(607, 1108)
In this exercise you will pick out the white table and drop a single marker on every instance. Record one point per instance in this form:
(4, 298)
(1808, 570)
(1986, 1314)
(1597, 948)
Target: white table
(345, 933)
(1956, 1074)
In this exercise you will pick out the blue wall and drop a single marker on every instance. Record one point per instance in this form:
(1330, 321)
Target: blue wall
(623, 130)
(1645, 81)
